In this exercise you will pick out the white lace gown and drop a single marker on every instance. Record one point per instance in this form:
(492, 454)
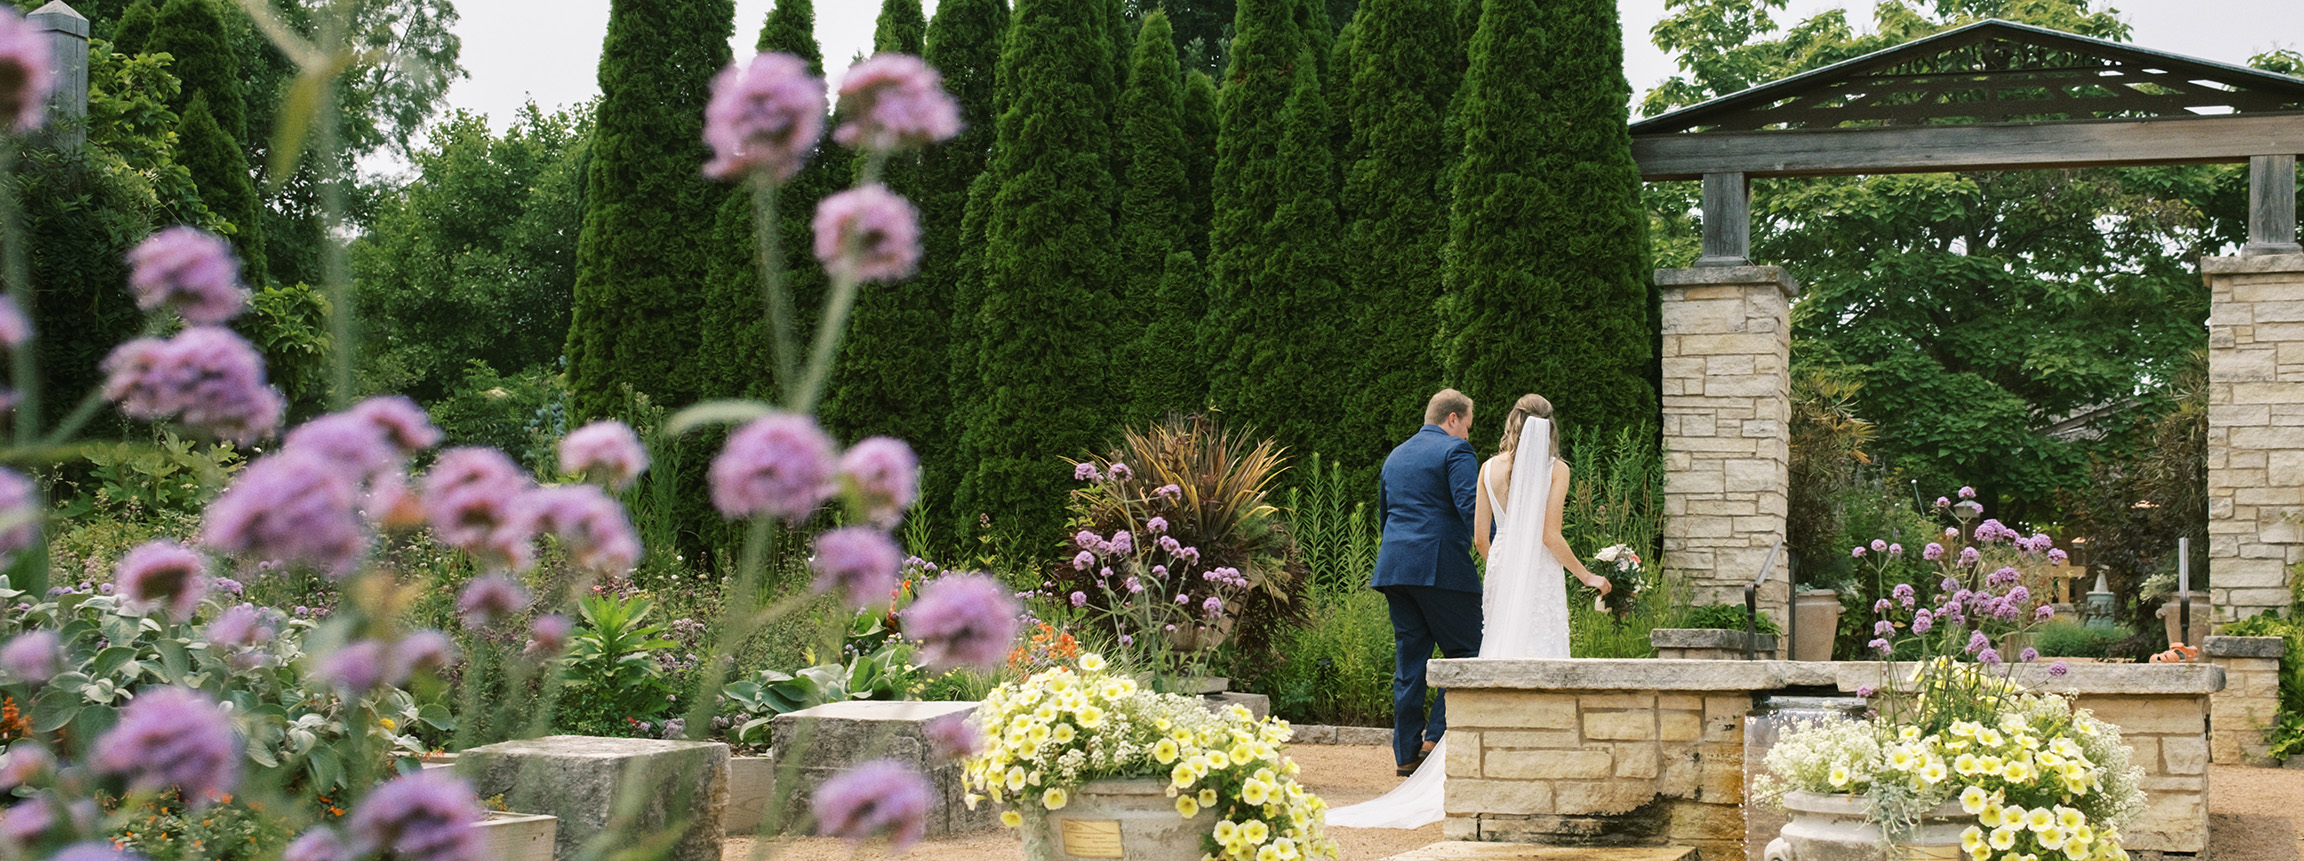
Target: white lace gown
(1524, 603)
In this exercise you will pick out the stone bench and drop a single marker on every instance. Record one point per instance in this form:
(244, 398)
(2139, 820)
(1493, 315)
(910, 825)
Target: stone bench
(811, 745)
(1565, 752)
(641, 785)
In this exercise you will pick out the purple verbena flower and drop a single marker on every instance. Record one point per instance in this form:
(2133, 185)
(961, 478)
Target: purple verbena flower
(348, 440)
(1977, 642)
(1083, 559)
(1212, 608)
(15, 328)
(954, 737)
(25, 762)
(1866, 691)
(1879, 644)
(1923, 622)
(1086, 472)
(2059, 668)
(1169, 492)
(1121, 472)
(1988, 657)
(1156, 526)
(1123, 543)
(1879, 546)
(963, 620)
(764, 118)
(1882, 605)
(357, 667)
(892, 102)
(593, 526)
(1856, 552)
(549, 634)
(190, 270)
(241, 627)
(604, 451)
(33, 657)
(206, 376)
(1903, 594)
(2043, 612)
(1942, 502)
(426, 650)
(163, 575)
(870, 234)
(27, 72)
(2019, 595)
(879, 797)
(1086, 540)
(779, 465)
(1883, 628)
(1932, 552)
(1895, 549)
(2058, 557)
(1079, 599)
(28, 822)
(402, 422)
(885, 474)
(291, 507)
(1967, 492)
(421, 816)
(172, 737)
(1969, 557)
(2028, 655)
(488, 598)
(472, 497)
(318, 844)
(859, 561)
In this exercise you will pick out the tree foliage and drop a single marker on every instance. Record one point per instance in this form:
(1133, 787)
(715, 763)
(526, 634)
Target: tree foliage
(1277, 329)
(1547, 259)
(641, 250)
(901, 28)
(1043, 330)
(1155, 217)
(473, 261)
(219, 169)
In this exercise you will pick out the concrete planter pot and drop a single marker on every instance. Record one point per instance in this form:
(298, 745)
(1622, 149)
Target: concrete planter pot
(1127, 819)
(1815, 624)
(518, 836)
(2200, 615)
(1833, 828)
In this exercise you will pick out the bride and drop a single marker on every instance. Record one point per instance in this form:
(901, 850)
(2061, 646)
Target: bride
(1522, 491)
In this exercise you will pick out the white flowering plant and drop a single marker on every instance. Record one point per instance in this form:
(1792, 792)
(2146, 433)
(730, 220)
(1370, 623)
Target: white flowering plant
(1065, 726)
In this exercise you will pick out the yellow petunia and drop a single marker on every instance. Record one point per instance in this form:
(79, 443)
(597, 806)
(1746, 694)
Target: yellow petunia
(1255, 792)
(1933, 773)
(1208, 797)
(1090, 717)
(1227, 831)
(1165, 751)
(1839, 776)
(1015, 778)
(1011, 818)
(1182, 775)
(1092, 662)
(2068, 818)
(2004, 839)
(1064, 734)
(1055, 798)
(1187, 806)
(1966, 764)
(1974, 799)
(1972, 839)
(1255, 831)
(2040, 820)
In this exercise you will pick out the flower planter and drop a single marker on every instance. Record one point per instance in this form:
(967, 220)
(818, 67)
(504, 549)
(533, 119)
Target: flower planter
(1815, 624)
(1833, 828)
(2169, 611)
(1130, 819)
(518, 836)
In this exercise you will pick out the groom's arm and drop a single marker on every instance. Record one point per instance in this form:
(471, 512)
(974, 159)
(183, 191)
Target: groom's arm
(1463, 479)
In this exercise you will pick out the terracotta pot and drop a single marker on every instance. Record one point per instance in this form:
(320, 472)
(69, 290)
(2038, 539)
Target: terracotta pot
(1833, 828)
(1128, 819)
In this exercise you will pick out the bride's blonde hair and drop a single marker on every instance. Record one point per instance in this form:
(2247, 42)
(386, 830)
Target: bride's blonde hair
(1527, 407)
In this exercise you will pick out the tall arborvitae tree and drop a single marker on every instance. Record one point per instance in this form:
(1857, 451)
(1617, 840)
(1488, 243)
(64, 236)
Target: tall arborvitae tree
(899, 382)
(193, 32)
(735, 322)
(134, 30)
(1547, 286)
(641, 253)
(1403, 74)
(902, 28)
(1046, 385)
(1279, 333)
(1199, 121)
(1155, 215)
(220, 171)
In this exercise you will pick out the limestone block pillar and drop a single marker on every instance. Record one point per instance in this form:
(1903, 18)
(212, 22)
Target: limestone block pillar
(2255, 430)
(1727, 406)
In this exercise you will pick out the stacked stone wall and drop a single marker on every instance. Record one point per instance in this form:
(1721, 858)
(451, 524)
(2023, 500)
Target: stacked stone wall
(2255, 430)
(2241, 716)
(1726, 401)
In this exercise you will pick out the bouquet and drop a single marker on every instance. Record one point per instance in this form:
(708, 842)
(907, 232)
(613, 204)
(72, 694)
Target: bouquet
(1620, 564)
(1063, 727)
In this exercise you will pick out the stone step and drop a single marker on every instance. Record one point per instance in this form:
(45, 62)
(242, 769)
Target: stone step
(1469, 850)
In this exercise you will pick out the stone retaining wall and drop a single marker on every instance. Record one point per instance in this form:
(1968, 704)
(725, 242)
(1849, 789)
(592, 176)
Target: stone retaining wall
(1651, 752)
(2255, 429)
(2241, 715)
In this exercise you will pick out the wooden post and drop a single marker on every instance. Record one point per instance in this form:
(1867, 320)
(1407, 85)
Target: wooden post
(1727, 220)
(67, 32)
(2271, 206)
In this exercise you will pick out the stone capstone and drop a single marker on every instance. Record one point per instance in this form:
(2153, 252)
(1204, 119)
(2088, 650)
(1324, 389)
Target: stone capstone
(2244, 647)
(641, 785)
(812, 745)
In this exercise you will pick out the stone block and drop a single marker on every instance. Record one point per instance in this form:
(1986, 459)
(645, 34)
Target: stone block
(1465, 752)
(1625, 726)
(1610, 702)
(1312, 733)
(2244, 647)
(1606, 797)
(1498, 796)
(2150, 715)
(1547, 764)
(1511, 710)
(1535, 739)
(1679, 725)
(1256, 704)
(1375, 735)
(1636, 760)
(584, 780)
(834, 737)
(2180, 755)
(751, 789)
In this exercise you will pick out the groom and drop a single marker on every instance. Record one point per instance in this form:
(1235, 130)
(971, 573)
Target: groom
(1424, 567)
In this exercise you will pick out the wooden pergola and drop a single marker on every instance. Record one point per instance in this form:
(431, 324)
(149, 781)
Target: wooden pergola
(1993, 95)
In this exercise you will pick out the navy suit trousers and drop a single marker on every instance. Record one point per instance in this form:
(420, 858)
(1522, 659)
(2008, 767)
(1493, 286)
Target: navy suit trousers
(1424, 617)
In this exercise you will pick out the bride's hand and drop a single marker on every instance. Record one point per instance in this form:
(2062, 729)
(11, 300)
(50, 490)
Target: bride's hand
(1598, 582)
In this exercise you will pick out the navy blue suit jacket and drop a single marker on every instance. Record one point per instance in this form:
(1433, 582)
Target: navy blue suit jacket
(1425, 506)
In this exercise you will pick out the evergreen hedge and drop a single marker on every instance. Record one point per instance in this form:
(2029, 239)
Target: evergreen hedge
(219, 169)
(1155, 213)
(1547, 259)
(1277, 329)
(1403, 73)
(641, 253)
(1045, 383)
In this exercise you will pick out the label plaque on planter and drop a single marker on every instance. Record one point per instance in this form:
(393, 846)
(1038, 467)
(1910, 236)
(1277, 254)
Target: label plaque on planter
(1092, 838)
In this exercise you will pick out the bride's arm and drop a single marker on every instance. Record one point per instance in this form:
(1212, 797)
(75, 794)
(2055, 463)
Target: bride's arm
(1553, 508)
(1482, 518)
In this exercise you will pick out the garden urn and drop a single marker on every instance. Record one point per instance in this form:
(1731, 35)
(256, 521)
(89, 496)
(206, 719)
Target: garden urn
(1815, 624)
(1134, 819)
(1835, 828)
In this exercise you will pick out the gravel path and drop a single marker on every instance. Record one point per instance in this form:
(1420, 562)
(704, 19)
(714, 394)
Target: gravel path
(2251, 817)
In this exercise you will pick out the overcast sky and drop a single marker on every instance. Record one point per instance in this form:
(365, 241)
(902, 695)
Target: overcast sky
(546, 50)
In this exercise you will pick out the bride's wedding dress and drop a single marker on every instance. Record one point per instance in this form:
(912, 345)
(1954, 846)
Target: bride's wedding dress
(1524, 603)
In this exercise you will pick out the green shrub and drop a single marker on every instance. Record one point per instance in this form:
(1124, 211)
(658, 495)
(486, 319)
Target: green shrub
(1729, 616)
(1336, 535)
(1336, 667)
(2288, 736)
(2062, 639)
(230, 831)
(611, 675)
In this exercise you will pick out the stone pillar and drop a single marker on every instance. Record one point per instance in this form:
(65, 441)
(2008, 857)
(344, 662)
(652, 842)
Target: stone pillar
(1727, 450)
(67, 33)
(2255, 430)
(2240, 717)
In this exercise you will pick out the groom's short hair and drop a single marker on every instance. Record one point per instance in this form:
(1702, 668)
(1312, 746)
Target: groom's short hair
(1448, 402)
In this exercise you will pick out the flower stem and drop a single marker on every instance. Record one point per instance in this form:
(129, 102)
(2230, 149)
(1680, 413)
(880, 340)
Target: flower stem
(766, 238)
(838, 304)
